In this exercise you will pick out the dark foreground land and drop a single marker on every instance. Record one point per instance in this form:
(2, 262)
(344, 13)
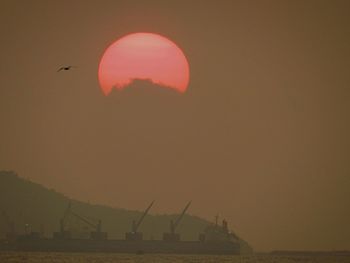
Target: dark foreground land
(37, 257)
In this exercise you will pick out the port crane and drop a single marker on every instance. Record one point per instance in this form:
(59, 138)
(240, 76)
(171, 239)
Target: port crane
(173, 236)
(97, 234)
(134, 234)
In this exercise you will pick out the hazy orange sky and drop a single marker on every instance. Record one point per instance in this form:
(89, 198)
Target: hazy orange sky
(261, 136)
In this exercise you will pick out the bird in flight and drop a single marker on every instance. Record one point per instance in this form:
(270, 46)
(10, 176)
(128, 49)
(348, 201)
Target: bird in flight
(65, 68)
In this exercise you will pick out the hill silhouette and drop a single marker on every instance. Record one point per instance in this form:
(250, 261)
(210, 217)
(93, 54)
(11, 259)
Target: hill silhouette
(26, 203)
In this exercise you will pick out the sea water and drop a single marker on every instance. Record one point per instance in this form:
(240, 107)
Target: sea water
(38, 257)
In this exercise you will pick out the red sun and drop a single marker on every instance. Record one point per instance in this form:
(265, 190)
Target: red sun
(144, 56)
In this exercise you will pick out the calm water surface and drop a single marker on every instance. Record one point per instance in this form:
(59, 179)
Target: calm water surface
(125, 258)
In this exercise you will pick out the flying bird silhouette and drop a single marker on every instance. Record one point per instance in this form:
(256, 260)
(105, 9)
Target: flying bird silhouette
(65, 68)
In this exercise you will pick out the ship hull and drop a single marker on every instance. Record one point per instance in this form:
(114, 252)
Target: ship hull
(125, 246)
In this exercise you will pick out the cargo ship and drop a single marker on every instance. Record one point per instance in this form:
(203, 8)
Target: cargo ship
(215, 239)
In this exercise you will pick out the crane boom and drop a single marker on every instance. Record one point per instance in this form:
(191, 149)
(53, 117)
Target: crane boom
(84, 220)
(69, 211)
(142, 217)
(181, 216)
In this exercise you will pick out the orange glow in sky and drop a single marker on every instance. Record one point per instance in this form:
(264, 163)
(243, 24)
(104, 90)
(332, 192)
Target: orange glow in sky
(143, 56)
